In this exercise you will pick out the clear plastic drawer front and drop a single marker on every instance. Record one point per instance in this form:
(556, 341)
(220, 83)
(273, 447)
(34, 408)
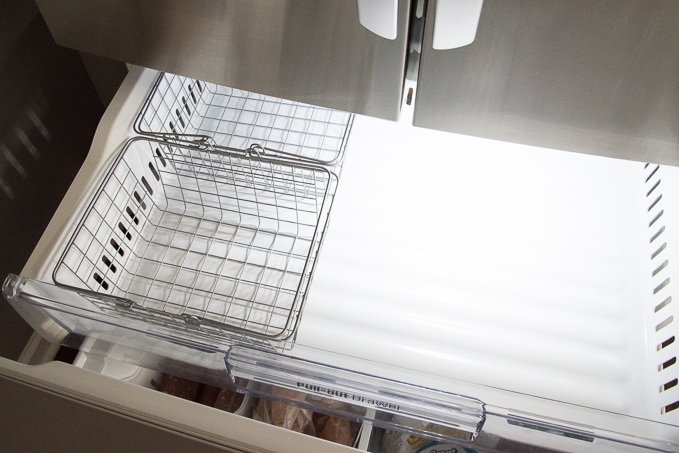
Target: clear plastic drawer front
(383, 402)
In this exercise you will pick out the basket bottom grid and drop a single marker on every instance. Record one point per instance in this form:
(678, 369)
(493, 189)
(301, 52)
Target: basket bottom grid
(227, 273)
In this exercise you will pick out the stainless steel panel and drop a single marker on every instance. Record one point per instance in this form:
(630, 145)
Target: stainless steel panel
(598, 77)
(313, 51)
(45, 92)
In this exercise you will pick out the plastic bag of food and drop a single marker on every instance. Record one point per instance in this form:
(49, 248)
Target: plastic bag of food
(403, 442)
(285, 415)
(180, 387)
(335, 429)
(208, 395)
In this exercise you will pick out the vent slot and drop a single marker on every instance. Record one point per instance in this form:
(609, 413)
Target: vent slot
(661, 286)
(655, 186)
(663, 304)
(126, 233)
(193, 96)
(668, 363)
(179, 117)
(141, 202)
(98, 278)
(657, 200)
(656, 218)
(655, 170)
(657, 252)
(132, 215)
(669, 385)
(154, 171)
(108, 263)
(161, 158)
(146, 185)
(117, 247)
(660, 273)
(660, 268)
(665, 343)
(670, 407)
(656, 235)
(664, 324)
(186, 106)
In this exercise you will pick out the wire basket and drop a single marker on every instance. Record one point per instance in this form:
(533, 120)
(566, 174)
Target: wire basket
(180, 107)
(224, 241)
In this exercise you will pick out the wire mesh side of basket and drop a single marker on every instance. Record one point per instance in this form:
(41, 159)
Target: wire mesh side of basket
(223, 241)
(183, 108)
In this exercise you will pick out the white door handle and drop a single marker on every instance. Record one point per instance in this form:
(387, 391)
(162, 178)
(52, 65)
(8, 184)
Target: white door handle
(455, 23)
(379, 16)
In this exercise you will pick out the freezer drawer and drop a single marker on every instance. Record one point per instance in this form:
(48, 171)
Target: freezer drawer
(310, 51)
(498, 329)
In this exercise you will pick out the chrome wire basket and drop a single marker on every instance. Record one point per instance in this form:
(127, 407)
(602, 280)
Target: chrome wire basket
(182, 108)
(224, 240)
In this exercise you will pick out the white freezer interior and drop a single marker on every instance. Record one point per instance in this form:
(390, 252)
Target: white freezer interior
(500, 265)
(490, 263)
(519, 276)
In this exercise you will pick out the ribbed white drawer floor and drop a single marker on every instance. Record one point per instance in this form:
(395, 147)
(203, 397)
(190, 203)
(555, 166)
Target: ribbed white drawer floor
(501, 265)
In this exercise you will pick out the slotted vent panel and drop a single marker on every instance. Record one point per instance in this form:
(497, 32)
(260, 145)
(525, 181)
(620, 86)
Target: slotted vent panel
(664, 305)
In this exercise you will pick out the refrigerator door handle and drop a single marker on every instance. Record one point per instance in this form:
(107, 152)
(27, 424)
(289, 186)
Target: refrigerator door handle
(455, 23)
(379, 16)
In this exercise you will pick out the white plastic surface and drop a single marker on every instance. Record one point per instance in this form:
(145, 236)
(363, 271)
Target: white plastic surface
(455, 23)
(486, 262)
(379, 16)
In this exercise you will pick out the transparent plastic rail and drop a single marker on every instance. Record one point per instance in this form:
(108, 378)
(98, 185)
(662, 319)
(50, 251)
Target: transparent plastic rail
(386, 403)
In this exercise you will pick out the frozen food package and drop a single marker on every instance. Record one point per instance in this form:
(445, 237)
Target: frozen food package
(208, 395)
(279, 413)
(335, 429)
(401, 442)
(180, 387)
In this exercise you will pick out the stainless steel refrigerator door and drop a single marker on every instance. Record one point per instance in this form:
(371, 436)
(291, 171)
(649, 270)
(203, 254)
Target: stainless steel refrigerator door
(313, 51)
(597, 77)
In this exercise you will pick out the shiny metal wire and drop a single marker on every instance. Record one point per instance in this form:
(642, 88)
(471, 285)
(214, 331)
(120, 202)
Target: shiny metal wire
(181, 107)
(223, 240)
